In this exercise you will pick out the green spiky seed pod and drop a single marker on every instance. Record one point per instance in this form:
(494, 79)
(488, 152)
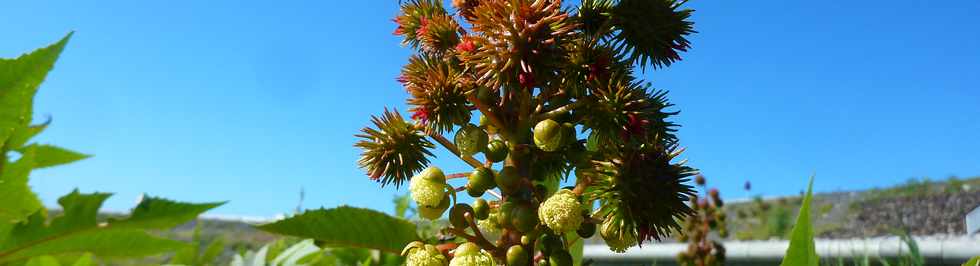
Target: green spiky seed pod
(481, 209)
(481, 179)
(562, 212)
(496, 151)
(517, 256)
(420, 254)
(434, 213)
(428, 187)
(617, 240)
(560, 258)
(457, 215)
(394, 151)
(469, 254)
(548, 135)
(471, 139)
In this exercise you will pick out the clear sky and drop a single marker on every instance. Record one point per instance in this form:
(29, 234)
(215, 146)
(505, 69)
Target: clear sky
(248, 101)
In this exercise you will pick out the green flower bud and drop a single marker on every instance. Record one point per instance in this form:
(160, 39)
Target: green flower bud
(616, 240)
(490, 224)
(481, 209)
(562, 212)
(550, 243)
(434, 213)
(457, 215)
(587, 230)
(420, 254)
(469, 254)
(481, 179)
(428, 187)
(524, 218)
(471, 139)
(496, 151)
(548, 135)
(506, 214)
(517, 256)
(507, 179)
(560, 258)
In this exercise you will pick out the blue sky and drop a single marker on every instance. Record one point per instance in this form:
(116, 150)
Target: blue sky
(248, 101)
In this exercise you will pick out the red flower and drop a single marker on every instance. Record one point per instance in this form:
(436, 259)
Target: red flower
(526, 79)
(598, 68)
(635, 126)
(421, 114)
(466, 45)
(423, 27)
(399, 30)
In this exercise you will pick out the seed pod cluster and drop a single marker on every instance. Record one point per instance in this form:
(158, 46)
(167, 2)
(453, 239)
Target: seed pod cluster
(702, 230)
(559, 103)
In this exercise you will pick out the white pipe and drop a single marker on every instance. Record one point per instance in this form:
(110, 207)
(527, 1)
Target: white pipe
(952, 251)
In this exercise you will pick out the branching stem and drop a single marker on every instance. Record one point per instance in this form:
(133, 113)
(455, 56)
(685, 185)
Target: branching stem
(452, 148)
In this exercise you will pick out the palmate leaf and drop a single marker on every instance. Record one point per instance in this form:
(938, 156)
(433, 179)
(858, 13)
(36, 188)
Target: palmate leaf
(19, 80)
(17, 201)
(77, 229)
(347, 226)
(802, 250)
(50, 155)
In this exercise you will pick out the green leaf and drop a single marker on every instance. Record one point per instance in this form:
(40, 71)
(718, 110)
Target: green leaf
(77, 229)
(17, 201)
(577, 248)
(802, 250)
(347, 226)
(85, 260)
(212, 251)
(19, 80)
(50, 155)
(23, 134)
(43, 261)
(975, 261)
(160, 213)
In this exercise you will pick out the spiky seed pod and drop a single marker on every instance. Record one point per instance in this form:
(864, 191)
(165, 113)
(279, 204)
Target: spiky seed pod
(436, 92)
(616, 235)
(428, 187)
(434, 213)
(548, 135)
(515, 37)
(624, 109)
(471, 139)
(420, 254)
(562, 212)
(414, 17)
(440, 34)
(642, 191)
(496, 151)
(651, 31)
(394, 151)
(469, 254)
(466, 7)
